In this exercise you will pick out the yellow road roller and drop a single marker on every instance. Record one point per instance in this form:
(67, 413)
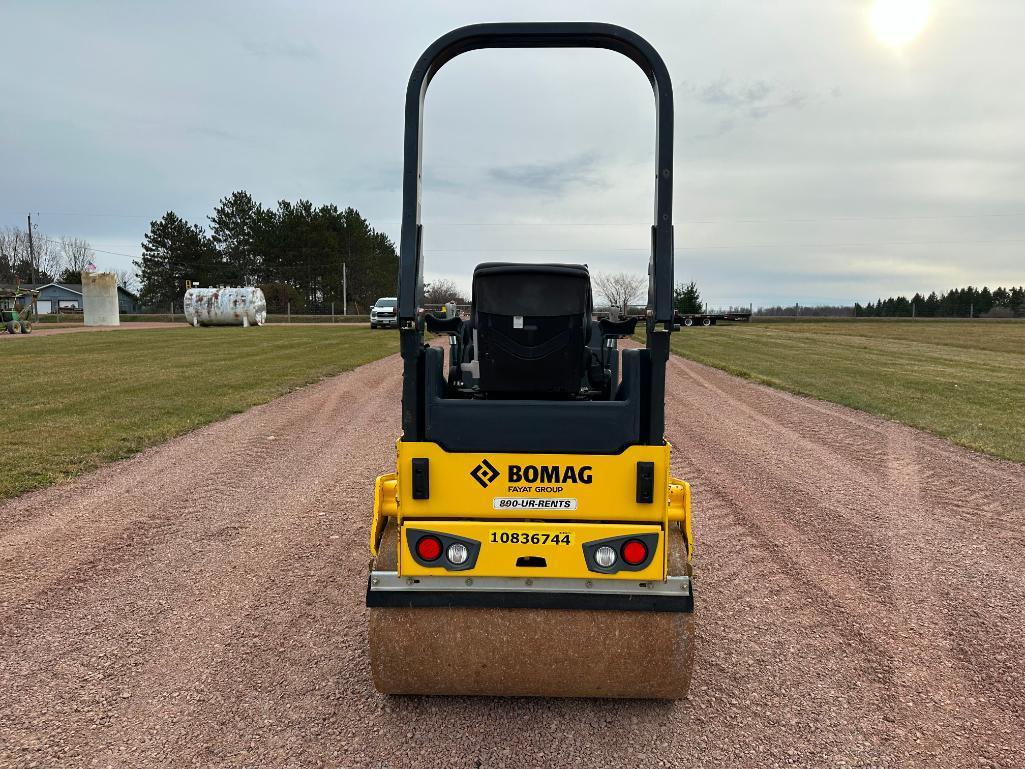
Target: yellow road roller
(531, 541)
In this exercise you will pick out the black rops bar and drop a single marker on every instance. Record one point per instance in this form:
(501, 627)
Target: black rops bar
(660, 271)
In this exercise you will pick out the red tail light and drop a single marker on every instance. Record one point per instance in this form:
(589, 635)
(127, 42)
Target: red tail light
(428, 548)
(634, 552)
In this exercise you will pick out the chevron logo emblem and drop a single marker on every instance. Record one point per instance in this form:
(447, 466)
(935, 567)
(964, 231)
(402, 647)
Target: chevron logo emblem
(484, 473)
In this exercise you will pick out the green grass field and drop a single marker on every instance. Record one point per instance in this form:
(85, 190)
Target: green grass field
(75, 401)
(962, 380)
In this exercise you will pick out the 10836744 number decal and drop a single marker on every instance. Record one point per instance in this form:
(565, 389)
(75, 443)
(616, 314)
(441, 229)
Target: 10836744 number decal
(530, 538)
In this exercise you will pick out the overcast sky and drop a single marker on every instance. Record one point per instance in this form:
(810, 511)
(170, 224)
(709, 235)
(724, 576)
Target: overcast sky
(814, 161)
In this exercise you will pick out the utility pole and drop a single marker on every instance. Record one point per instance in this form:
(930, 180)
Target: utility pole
(31, 251)
(345, 292)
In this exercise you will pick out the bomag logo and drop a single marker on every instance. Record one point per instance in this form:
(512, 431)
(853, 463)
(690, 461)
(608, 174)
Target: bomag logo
(484, 473)
(549, 474)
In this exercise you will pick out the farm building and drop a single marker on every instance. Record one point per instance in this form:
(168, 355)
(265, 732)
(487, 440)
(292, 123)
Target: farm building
(57, 297)
(14, 297)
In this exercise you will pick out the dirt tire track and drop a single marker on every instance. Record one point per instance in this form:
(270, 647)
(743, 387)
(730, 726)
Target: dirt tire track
(859, 592)
(946, 693)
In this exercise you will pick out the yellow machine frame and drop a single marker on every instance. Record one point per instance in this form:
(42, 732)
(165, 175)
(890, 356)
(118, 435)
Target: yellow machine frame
(572, 499)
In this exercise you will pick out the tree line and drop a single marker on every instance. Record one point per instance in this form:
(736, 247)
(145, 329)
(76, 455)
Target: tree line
(957, 303)
(47, 259)
(619, 290)
(622, 290)
(294, 251)
(816, 311)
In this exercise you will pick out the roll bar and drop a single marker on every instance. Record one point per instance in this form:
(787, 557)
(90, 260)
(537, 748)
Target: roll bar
(660, 265)
(539, 35)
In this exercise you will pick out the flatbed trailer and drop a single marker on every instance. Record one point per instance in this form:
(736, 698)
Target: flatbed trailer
(710, 319)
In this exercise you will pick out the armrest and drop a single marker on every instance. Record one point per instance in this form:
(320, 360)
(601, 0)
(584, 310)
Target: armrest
(438, 325)
(623, 327)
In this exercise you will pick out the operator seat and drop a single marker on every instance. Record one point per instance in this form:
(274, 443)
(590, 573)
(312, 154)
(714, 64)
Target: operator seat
(531, 325)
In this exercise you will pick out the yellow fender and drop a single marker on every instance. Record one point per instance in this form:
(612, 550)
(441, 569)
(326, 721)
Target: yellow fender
(386, 504)
(679, 510)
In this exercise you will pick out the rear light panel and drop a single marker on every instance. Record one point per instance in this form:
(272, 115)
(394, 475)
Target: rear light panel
(632, 552)
(436, 549)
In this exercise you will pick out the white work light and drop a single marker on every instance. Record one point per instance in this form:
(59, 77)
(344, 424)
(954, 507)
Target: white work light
(605, 556)
(457, 553)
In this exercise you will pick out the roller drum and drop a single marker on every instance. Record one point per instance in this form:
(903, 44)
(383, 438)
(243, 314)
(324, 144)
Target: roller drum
(532, 652)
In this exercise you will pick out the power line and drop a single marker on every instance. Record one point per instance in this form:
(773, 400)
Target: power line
(713, 220)
(600, 250)
(738, 247)
(97, 250)
(65, 213)
(725, 220)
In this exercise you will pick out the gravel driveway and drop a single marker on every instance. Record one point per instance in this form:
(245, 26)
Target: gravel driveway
(860, 589)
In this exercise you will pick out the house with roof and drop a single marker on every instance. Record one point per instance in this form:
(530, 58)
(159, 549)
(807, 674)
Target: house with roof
(67, 297)
(15, 296)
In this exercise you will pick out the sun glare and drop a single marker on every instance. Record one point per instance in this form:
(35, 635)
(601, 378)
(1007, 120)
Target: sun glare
(898, 22)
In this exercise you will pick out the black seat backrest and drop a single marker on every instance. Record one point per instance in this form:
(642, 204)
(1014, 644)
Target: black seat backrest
(532, 325)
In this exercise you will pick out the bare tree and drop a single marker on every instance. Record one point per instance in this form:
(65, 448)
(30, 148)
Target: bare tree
(11, 252)
(76, 255)
(17, 260)
(620, 289)
(442, 290)
(128, 280)
(48, 257)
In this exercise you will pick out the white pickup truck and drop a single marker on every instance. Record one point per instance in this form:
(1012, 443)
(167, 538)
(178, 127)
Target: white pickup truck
(385, 313)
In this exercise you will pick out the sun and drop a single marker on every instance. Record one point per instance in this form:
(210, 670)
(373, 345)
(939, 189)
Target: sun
(898, 22)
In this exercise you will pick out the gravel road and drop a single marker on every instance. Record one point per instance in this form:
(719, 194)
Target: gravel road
(860, 593)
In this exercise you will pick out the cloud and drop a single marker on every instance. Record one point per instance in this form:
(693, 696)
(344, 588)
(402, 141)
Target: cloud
(723, 92)
(782, 139)
(754, 100)
(552, 177)
(386, 176)
(281, 49)
(214, 132)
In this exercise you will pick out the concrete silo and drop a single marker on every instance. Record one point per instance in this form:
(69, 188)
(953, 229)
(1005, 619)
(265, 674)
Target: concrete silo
(99, 299)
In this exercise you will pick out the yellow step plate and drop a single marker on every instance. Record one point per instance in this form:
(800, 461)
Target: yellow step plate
(526, 549)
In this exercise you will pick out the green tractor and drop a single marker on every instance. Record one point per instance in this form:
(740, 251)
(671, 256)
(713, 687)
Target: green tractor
(14, 321)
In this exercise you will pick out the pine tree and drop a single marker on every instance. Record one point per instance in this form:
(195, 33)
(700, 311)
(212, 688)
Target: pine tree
(175, 251)
(931, 303)
(233, 231)
(687, 298)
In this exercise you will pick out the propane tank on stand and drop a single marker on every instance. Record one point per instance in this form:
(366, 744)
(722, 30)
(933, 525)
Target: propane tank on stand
(225, 306)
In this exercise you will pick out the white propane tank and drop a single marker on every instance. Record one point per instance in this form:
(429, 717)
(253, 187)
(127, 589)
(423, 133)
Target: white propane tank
(225, 307)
